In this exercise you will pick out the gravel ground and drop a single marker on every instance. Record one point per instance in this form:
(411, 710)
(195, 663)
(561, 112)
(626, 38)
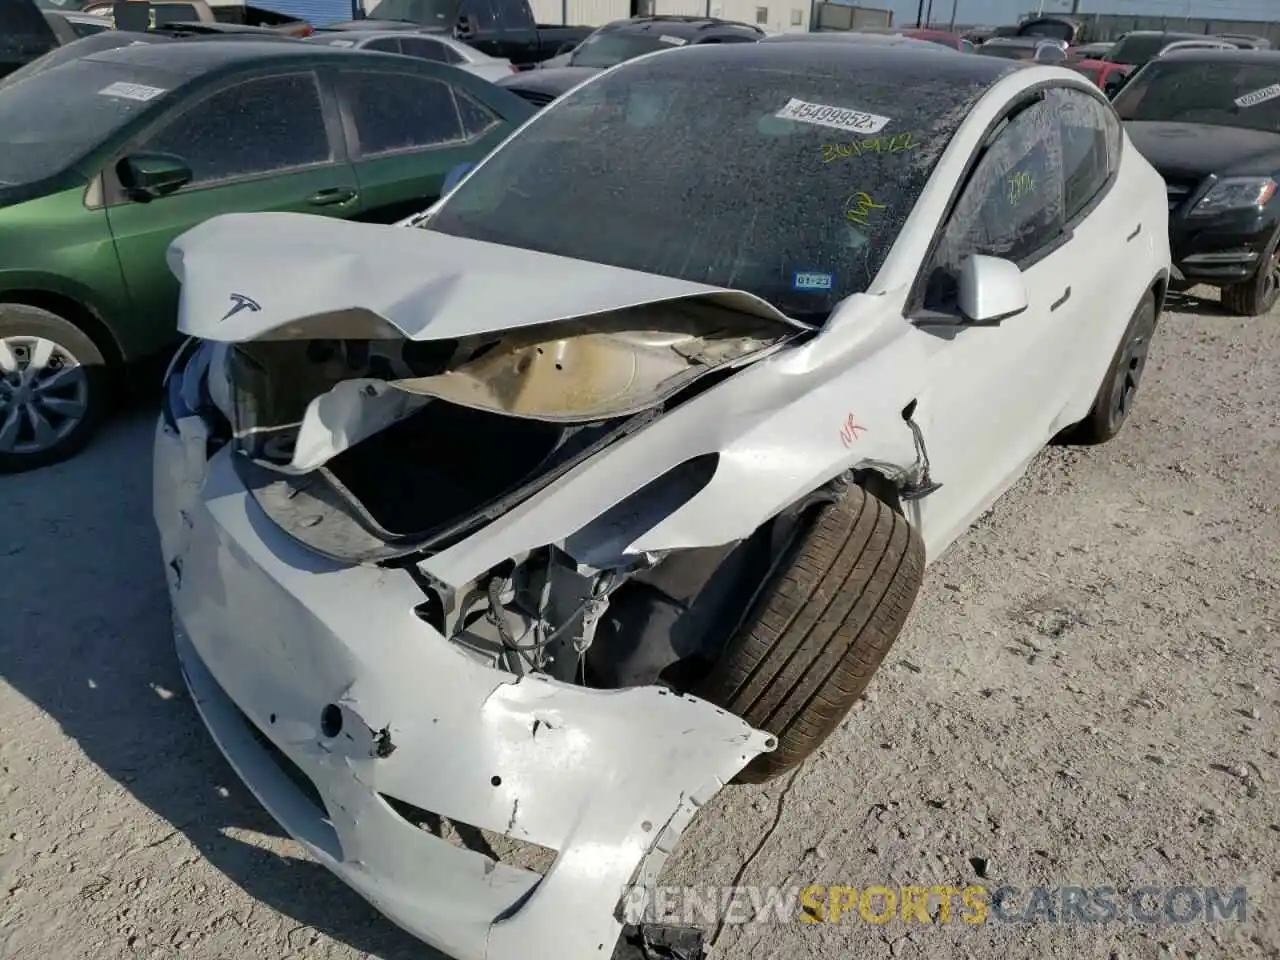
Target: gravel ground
(1087, 695)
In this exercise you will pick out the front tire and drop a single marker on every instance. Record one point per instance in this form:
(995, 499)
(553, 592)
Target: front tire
(1114, 399)
(1256, 296)
(53, 388)
(819, 628)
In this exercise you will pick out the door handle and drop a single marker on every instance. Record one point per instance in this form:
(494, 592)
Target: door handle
(1066, 295)
(331, 196)
(1136, 230)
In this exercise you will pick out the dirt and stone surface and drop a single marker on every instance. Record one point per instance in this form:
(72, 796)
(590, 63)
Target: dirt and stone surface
(1088, 694)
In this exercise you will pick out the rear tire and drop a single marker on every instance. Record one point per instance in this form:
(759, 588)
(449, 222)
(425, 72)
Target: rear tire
(1114, 399)
(1257, 296)
(53, 388)
(819, 628)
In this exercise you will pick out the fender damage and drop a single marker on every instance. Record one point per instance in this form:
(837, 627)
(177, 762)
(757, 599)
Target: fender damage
(391, 629)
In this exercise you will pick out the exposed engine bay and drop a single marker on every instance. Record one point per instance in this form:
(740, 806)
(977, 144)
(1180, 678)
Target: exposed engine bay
(387, 450)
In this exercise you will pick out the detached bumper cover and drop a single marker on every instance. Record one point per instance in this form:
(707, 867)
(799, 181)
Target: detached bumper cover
(332, 667)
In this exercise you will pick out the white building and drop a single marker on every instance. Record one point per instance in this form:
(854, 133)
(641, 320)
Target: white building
(772, 16)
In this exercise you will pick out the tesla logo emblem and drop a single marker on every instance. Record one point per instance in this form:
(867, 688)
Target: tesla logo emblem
(240, 303)
(851, 430)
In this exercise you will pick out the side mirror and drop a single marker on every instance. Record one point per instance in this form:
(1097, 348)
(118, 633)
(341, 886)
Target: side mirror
(1115, 83)
(454, 177)
(465, 28)
(991, 290)
(149, 175)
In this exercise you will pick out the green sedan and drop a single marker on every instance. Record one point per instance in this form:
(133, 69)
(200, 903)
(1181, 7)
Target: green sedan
(110, 156)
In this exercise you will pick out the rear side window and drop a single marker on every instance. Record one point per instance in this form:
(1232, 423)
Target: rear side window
(393, 112)
(384, 45)
(260, 126)
(476, 118)
(1086, 166)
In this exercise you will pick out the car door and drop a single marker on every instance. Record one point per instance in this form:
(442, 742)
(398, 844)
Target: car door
(261, 143)
(1106, 231)
(995, 390)
(406, 131)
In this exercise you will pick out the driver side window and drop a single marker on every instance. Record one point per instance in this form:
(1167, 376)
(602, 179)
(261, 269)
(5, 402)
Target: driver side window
(212, 137)
(1012, 205)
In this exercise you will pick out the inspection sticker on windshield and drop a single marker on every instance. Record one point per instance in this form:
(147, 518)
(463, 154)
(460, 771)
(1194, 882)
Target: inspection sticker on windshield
(838, 118)
(674, 41)
(812, 281)
(131, 91)
(342, 43)
(1259, 96)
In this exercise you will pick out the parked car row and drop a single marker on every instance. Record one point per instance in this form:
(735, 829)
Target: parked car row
(115, 149)
(122, 141)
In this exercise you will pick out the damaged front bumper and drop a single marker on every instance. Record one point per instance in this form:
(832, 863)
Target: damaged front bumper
(489, 816)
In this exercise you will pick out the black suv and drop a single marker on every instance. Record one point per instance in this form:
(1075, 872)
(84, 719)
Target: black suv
(625, 40)
(1209, 122)
(25, 35)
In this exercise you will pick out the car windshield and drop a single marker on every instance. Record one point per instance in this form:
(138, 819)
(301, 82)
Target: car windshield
(1217, 92)
(800, 212)
(52, 119)
(443, 12)
(605, 50)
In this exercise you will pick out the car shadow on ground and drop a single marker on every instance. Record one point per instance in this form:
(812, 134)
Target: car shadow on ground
(1195, 304)
(86, 638)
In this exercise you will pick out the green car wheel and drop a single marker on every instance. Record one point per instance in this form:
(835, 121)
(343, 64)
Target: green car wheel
(53, 388)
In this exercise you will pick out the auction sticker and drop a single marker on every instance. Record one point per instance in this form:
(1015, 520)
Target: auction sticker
(674, 41)
(1259, 96)
(838, 118)
(131, 91)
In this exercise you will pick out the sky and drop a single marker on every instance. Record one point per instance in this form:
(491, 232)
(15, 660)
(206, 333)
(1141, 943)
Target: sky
(1007, 11)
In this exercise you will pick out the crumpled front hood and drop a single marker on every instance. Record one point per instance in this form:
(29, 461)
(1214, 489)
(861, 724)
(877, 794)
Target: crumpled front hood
(282, 276)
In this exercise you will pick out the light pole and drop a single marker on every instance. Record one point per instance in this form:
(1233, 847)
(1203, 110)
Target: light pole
(952, 26)
(919, 13)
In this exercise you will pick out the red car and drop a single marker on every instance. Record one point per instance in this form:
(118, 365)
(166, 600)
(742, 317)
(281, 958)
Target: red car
(1101, 72)
(941, 37)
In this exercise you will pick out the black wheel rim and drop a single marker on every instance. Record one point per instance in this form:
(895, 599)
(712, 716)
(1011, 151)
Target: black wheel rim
(1271, 280)
(1129, 372)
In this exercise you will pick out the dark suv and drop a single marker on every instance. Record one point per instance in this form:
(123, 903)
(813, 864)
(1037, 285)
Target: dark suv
(625, 40)
(25, 35)
(1209, 121)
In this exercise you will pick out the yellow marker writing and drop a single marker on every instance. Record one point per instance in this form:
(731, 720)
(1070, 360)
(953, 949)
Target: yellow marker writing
(859, 206)
(1020, 185)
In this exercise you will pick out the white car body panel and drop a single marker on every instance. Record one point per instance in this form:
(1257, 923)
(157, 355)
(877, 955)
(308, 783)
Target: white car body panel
(427, 285)
(606, 778)
(565, 782)
(473, 61)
